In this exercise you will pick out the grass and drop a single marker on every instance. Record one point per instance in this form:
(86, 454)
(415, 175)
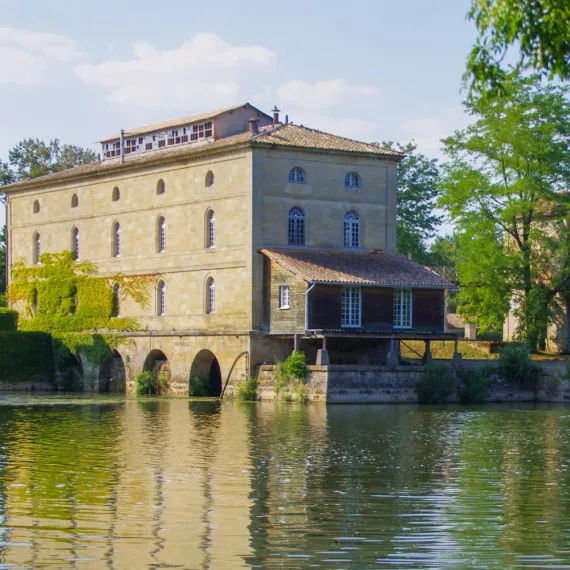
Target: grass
(444, 350)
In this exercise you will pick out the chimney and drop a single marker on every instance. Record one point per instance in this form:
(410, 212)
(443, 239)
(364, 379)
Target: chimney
(286, 119)
(275, 115)
(253, 126)
(122, 145)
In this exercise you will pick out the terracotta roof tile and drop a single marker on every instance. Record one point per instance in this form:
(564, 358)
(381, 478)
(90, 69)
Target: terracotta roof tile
(303, 137)
(289, 136)
(355, 267)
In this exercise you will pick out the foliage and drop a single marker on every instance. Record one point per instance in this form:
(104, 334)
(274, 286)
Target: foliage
(516, 366)
(2, 300)
(25, 356)
(33, 157)
(290, 377)
(199, 386)
(247, 390)
(436, 386)
(444, 250)
(8, 319)
(475, 385)
(145, 383)
(417, 190)
(63, 294)
(540, 29)
(506, 174)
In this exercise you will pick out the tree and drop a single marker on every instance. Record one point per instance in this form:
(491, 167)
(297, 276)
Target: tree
(417, 191)
(504, 187)
(444, 250)
(539, 28)
(33, 157)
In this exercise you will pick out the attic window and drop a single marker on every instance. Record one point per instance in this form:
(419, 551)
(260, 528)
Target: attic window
(112, 149)
(202, 131)
(177, 136)
(133, 145)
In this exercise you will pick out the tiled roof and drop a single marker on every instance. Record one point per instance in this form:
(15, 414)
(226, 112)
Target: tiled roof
(165, 125)
(302, 137)
(288, 136)
(355, 267)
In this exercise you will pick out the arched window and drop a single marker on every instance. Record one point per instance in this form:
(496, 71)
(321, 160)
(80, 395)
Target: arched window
(352, 180)
(211, 230)
(161, 298)
(116, 237)
(297, 176)
(116, 301)
(161, 235)
(351, 229)
(74, 201)
(36, 208)
(210, 178)
(75, 243)
(296, 226)
(161, 187)
(37, 249)
(210, 296)
(116, 194)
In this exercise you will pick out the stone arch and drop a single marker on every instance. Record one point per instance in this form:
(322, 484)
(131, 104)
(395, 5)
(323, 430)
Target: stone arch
(157, 363)
(205, 364)
(113, 375)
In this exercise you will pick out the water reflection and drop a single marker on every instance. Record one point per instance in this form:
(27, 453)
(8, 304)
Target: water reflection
(125, 483)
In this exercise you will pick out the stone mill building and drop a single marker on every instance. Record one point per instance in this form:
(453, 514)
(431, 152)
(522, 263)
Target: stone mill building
(266, 235)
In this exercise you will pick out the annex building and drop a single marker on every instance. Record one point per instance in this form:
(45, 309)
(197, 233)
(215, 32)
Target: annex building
(266, 236)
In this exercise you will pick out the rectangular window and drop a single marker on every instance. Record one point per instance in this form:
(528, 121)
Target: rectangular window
(350, 307)
(402, 308)
(284, 297)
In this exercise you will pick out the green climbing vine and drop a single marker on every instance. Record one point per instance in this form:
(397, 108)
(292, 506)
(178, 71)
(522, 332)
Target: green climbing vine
(66, 299)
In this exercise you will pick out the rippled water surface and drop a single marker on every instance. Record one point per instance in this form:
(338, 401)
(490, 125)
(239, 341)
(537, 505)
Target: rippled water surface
(121, 483)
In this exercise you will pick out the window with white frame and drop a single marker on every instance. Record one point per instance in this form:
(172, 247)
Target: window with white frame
(161, 299)
(210, 296)
(75, 243)
(37, 251)
(352, 180)
(284, 297)
(161, 237)
(296, 226)
(211, 230)
(297, 176)
(116, 239)
(403, 308)
(350, 306)
(202, 131)
(351, 229)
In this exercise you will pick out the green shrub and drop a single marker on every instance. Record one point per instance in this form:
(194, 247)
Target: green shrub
(291, 370)
(247, 390)
(8, 319)
(516, 365)
(146, 383)
(436, 386)
(25, 356)
(2, 300)
(475, 385)
(198, 386)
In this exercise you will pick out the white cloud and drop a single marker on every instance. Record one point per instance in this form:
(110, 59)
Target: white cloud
(428, 131)
(204, 70)
(26, 56)
(321, 94)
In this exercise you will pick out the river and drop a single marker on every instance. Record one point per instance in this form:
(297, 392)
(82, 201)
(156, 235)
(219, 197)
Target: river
(121, 483)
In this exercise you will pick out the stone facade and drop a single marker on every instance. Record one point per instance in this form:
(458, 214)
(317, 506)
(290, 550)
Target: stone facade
(250, 198)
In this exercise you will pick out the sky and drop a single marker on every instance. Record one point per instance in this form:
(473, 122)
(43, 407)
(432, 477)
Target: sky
(372, 70)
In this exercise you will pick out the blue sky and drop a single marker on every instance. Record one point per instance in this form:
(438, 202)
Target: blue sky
(372, 70)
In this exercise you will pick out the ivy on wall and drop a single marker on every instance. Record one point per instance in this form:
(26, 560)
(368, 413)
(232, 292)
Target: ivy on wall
(65, 298)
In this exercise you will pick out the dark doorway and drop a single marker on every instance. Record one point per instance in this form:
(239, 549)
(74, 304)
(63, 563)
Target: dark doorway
(206, 372)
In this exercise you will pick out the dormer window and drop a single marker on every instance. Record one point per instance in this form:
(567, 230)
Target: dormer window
(111, 150)
(202, 131)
